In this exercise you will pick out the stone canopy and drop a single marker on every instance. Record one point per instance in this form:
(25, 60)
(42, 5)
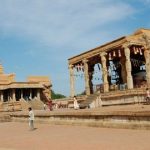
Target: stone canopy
(125, 57)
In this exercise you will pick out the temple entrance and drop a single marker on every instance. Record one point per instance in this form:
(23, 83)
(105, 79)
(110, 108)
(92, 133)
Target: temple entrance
(34, 93)
(18, 94)
(26, 94)
(6, 95)
(138, 66)
(116, 69)
(79, 79)
(115, 78)
(97, 78)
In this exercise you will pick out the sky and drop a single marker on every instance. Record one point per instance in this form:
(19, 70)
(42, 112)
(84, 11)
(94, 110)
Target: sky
(37, 37)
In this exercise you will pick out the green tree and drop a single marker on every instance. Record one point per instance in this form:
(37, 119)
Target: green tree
(57, 95)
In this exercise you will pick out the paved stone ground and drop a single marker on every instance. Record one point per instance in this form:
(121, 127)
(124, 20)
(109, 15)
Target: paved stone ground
(16, 136)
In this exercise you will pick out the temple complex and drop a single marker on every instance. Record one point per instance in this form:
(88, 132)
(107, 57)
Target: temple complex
(124, 64)
(36, 88)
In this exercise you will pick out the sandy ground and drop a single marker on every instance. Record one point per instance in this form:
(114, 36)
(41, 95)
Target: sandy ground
(16, 136)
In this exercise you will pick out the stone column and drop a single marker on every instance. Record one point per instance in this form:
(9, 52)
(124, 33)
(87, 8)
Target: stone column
(86, 77)
(30, 94)
(38, 94)
(90, 82)
(72, 85)
(2, 97)
(105, 73)
(147, 65)
(21, 93)
(128, 67)
(13, 95)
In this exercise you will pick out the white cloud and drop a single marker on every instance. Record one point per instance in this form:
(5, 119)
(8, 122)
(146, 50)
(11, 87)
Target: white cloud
(58, 22)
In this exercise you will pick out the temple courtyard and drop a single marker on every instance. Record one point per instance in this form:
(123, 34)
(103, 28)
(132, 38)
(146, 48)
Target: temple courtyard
(16, 136)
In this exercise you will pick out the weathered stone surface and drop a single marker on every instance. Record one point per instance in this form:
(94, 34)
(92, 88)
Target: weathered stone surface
(134, 117)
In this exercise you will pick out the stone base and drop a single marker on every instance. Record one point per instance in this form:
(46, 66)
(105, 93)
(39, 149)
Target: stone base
(139, 119)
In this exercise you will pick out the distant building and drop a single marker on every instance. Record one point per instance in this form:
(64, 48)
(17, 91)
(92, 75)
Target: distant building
(36, 88)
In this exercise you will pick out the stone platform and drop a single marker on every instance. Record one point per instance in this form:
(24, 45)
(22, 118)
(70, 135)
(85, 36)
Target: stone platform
(127, 116)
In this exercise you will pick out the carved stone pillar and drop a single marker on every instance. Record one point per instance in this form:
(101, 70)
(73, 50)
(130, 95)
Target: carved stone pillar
(38, 94)
(30, 94)
(2, 96)
(13, 95)
(90, 82)
(72, 86)
(86, 77)
(147, 65)
(128, 68)
(21, 93)
(105, 73)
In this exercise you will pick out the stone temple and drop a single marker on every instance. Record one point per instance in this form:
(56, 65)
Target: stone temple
(20, 95)
(124, 69)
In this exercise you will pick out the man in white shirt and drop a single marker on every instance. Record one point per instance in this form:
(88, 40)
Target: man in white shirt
(31, 118)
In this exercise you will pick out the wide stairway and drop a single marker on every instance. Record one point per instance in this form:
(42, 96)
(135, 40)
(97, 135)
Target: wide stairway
(88, 101)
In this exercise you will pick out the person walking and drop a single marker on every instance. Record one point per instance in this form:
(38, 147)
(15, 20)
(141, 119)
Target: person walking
(75, 103)
(31, 118)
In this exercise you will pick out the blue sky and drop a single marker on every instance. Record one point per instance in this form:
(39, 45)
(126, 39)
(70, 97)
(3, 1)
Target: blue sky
(38, 36)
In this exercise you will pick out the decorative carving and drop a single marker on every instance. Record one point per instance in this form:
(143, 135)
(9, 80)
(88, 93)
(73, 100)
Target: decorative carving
(71, 66)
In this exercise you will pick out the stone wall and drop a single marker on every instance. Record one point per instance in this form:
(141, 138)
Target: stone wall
(131, 120)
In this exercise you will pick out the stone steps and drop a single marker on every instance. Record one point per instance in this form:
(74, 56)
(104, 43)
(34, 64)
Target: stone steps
(5, 118)
(88, 101)
(11, 106)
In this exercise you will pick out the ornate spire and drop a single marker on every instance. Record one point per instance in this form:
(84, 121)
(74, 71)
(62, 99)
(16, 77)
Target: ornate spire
(1, 68)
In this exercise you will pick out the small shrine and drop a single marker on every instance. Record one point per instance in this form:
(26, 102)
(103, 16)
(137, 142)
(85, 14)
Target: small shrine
(36, 88)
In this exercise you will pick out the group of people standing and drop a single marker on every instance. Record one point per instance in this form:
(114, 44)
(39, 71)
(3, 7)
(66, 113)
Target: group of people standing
(49, 105)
